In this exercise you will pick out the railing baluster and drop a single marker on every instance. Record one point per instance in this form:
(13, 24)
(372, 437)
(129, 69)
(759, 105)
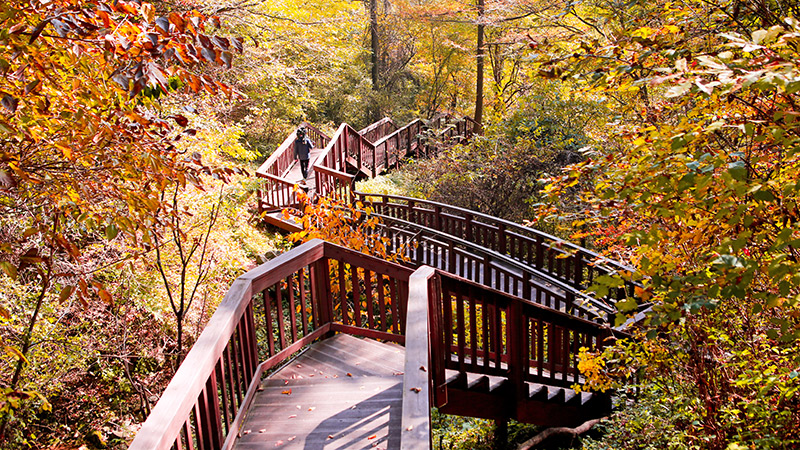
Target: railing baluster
(279, 314)
(343, 293)
(473, 334)
(268, 322)
(356, 295)
(292, 306)
(381, 301)
(303, 303)
(370, 301)
(393, 293)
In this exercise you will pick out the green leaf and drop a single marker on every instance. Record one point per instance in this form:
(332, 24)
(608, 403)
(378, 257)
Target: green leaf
(728, 261)
(111, 231)
(9, 269)
(738, 170)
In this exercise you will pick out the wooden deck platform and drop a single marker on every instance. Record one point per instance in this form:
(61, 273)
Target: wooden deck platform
(341, 393)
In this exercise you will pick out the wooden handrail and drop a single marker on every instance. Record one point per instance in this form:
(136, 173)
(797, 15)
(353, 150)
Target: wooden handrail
(378, 130)
(211, 391)
(416, 423)
(563, 259)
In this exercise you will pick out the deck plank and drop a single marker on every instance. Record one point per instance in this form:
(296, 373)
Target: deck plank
(342, 393)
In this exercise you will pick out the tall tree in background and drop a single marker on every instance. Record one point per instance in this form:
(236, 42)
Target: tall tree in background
(479, 66)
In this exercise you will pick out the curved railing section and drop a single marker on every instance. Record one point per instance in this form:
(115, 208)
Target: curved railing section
(423, 246)
(563, 260)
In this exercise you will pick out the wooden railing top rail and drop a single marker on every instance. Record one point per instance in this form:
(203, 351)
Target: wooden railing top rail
(378, 127)
(560, 243)
(415, 424)
(397, 131)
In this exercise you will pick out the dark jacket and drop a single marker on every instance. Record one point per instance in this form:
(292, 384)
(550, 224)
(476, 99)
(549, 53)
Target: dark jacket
(302, 148)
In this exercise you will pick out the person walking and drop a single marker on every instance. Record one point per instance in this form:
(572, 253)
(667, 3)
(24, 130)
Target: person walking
(302, 150)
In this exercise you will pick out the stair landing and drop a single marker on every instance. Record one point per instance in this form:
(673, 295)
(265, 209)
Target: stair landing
(342, 393)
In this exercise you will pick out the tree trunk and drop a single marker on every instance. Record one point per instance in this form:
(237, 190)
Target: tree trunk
(373, 35)
(375, 51)
(479, 75)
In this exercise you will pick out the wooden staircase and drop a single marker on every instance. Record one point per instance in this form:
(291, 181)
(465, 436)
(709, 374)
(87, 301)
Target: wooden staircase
(491, 316)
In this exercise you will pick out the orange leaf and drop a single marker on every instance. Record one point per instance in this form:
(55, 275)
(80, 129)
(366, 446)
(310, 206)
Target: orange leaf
(287, 392)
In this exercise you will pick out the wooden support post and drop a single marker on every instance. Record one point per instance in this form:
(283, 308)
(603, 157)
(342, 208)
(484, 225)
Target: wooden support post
(468, 227)
(517, 361)
(501, 239)
(320, 286)
(500, 434)
(375, 162)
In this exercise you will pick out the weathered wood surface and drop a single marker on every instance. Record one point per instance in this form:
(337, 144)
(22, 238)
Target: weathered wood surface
(341, 393)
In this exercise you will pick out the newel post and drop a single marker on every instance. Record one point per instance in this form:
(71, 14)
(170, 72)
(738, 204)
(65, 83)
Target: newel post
(320, 280)
(578, 268)
(516, 349)
(501, 238)
(375, 162)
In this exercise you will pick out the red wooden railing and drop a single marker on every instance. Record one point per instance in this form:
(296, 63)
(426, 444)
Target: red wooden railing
(488, 332)
(424, 246)
(351, 148)
(378, 130)
(277, 191)
(323, 288)
(560, 259)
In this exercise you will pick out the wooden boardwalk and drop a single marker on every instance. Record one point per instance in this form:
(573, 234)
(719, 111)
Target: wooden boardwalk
(341, 393)
(294, 175)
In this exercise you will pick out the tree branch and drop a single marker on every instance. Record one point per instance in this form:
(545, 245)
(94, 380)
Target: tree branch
(559, 431)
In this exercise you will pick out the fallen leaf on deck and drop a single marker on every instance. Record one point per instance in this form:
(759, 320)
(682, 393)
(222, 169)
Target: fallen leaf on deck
(416, 389)
(246, 432)
(263, 430)
(291, 438)
(330, 436)
(373, 436)
(278, 443)
(409, 428)
(293, 416)
(287, 392)
(312, 408)
(422, 368)
(349, 374)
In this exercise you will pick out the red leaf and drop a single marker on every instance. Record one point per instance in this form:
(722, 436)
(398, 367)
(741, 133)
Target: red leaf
(181, 120)
(38, 30)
